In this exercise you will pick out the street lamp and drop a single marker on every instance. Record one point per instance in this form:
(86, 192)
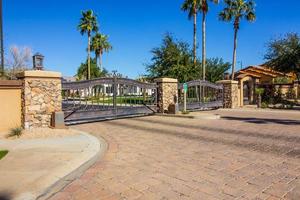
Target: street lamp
(38, 61)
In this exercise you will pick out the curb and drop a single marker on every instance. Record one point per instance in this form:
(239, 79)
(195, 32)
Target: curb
(66, 180)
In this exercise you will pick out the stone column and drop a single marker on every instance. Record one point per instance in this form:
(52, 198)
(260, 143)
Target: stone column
(41, 96)
(167, 92)
(230, 93)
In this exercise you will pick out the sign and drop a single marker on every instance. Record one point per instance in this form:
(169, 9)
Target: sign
(185, 87)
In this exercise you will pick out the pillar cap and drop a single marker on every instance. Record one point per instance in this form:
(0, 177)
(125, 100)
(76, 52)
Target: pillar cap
(227, 82)
(166, 80)
(39, 74)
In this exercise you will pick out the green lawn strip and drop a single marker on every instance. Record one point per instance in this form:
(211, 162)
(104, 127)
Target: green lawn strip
(3, 153)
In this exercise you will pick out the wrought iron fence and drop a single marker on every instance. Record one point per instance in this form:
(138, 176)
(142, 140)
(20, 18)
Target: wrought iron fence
(201, 95)
(106, 98)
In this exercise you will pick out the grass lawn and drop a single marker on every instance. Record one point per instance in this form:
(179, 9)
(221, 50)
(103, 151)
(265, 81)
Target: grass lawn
(3, 153)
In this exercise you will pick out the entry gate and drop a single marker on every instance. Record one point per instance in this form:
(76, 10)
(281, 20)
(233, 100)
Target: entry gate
(107, 98)
(201, 95)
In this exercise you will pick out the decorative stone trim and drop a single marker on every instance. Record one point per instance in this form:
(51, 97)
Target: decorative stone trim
(167, 92)
(230, 93)
(41, 96)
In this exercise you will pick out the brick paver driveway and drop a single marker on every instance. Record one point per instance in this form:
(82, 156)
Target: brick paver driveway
(246, 155)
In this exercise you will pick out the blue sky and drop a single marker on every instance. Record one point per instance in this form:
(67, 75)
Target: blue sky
(135, 27)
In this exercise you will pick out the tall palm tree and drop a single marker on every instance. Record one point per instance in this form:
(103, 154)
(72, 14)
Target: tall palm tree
(87, 25)
(192, 7)
(235, 11)
(100, 44)
(204, 9)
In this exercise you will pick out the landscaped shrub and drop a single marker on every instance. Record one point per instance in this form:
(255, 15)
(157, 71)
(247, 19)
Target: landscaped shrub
(16, 132)
(264, 105)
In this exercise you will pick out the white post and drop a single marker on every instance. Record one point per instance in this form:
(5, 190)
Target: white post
(184, 101)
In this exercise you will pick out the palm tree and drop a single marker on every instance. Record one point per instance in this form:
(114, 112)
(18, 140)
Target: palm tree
(100, 45)
(88, 24)
(204, 9)
(192, 7)
(235, 11)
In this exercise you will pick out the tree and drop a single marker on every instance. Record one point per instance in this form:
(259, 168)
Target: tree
(236, 10)
(95, 71)
(283, 54)
(193, 7)
(172, 59)
(88, 24)
(216, 68)
(19, 60)
(100, 45)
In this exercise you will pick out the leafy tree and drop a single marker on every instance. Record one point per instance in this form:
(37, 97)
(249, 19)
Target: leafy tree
(216, 68)
(193, 7)
(174, 59)
(283, 54)
(100, 45)
(96, 72)
(88, 24)
(236, 10)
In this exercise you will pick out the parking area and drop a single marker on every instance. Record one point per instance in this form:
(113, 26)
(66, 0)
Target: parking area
(245, 155)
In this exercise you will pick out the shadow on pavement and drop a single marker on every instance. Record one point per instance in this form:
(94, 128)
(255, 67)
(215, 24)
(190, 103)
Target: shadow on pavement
(5, 196)
(263, 120)
(227, 131)
(254, 146)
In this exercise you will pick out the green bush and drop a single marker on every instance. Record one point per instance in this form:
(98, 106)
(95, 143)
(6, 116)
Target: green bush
(259, 91)
(264, 105)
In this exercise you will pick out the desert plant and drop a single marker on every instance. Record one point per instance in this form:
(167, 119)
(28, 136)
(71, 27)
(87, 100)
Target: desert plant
(16, 132)
(259, 92)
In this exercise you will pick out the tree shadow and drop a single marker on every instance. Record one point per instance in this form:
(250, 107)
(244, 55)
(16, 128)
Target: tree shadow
(227, 131)
(252, 146)
(255, 120)
(5, 196)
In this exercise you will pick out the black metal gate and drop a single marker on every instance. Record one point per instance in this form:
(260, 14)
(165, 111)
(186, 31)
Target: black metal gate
(201, 95)
(107, 98)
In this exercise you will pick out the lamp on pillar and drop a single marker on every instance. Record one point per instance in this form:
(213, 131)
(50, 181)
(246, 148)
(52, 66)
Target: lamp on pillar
(38, 61)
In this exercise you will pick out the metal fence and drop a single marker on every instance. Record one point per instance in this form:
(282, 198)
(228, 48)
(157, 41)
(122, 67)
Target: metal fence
(201, 95)
(107, 98)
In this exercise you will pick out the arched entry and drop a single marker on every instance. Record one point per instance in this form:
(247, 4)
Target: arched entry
(246, 93)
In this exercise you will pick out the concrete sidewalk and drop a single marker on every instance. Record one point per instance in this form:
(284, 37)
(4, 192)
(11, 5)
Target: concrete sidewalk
(37, 168)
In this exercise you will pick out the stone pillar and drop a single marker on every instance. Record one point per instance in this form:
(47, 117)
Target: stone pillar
(230, 93)
(41, 96)
(167, 92)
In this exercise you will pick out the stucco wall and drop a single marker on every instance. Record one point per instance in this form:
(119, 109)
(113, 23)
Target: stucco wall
(10, 106)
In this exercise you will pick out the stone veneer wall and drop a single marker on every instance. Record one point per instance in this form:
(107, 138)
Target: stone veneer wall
(230, 93)
(41, 96)
(167, 93)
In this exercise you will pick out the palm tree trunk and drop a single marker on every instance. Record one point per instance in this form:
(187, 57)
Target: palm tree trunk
(89, 57)
(204, 45)
(234, 53)
(100, 60)
(195, 34)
